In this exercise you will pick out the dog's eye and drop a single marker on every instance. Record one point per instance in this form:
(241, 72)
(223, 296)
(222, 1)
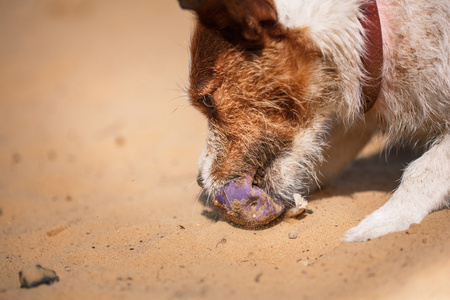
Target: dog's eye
(207, 102)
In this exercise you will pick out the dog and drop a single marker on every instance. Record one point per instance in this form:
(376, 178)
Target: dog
(293, 89)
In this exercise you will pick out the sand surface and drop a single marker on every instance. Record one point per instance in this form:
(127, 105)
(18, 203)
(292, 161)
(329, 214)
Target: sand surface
(98, 152)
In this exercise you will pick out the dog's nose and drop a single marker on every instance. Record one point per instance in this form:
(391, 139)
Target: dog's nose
(200, 180)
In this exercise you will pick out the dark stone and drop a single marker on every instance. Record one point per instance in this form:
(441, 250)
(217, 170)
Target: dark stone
(35, 276)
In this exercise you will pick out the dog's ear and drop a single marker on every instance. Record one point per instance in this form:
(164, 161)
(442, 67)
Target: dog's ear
(238, 20)
(190, 4)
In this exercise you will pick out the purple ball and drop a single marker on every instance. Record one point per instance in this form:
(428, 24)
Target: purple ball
(243, 203)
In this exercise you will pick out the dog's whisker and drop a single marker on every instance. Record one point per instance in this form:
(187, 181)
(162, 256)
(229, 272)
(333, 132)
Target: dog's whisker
(195, 203)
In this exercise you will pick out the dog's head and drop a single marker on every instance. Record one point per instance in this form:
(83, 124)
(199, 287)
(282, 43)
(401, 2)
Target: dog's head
(267, 92)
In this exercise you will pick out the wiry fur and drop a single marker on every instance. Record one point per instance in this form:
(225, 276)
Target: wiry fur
(275, 95)
(414, 102)
(335, 29)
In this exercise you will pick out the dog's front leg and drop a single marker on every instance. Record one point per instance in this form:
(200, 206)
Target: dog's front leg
(425, 187)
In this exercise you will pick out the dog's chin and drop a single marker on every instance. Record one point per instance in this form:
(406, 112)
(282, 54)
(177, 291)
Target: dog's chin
(296, 170)
(285, 181)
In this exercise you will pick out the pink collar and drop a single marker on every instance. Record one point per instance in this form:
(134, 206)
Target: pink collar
(373, 57)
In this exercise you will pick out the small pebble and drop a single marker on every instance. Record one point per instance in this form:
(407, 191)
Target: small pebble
(293, 235)
(299, 208)
(37, 275)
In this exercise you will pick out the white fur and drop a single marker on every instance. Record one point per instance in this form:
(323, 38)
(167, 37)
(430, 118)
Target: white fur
(414, 104)
(297, 169)
(424, 188)
(415, 96)
(207, 159)
(334, 27)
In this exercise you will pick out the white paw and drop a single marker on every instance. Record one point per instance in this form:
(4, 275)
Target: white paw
(381, 222)
(372, 227)
(424, 188)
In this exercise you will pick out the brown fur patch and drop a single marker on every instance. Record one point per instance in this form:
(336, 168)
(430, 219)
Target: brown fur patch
(260, 98)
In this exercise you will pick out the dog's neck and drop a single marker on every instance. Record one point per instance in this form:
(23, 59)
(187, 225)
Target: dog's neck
(373, 56)
(336, 26)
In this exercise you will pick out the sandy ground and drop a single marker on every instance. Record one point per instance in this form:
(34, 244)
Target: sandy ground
(98, 153)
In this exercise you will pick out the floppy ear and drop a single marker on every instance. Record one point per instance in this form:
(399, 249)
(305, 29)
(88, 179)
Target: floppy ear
(190, 4)
(238, 20)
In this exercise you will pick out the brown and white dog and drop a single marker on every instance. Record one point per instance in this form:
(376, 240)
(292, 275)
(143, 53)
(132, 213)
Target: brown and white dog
(279, 79)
